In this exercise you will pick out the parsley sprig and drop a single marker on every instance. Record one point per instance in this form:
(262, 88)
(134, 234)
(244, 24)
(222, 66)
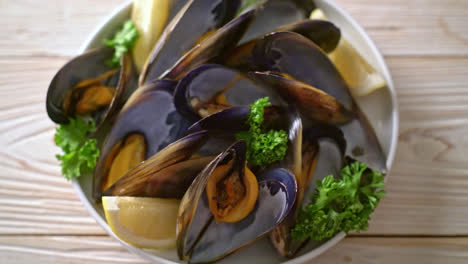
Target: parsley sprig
(79, 153)
(122, 42)
(263, 147)
(341, 204)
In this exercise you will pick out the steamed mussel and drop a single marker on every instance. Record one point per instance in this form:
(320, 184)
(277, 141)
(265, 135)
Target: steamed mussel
(87, 86)
(176, 136)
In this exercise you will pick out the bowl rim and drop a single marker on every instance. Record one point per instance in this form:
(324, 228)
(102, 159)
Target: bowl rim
(334, 240)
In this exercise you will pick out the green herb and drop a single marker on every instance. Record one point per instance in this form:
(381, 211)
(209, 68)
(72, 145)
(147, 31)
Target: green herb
(263, 147)
(123, 41)
(79, 153)
(341, 204)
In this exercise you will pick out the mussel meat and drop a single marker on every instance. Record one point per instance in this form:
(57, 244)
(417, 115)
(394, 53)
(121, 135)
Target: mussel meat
(147, 124)
(201, 236)
(85, 86)
(167, 170)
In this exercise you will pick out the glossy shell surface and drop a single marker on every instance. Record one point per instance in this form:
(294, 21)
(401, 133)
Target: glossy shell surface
(384, 119)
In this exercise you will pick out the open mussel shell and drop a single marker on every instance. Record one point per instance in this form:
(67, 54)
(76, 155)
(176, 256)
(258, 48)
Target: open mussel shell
(89, 66)
(150, 114)
(230, 120)
(201, 239)
(219, 42)
(323, 33)
(272, 14)
(301, 59)
(313, 103)
(168, 170)
(302, 158)
(211, 88)
(183, 33)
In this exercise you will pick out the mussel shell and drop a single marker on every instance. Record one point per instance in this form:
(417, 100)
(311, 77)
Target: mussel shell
(313, 102)
(149, 178)
(362, 142)
(323, 33)
(209, 80)
(271, 15)
(150, 113)
(89, 65)
(194, 19)
(322, 151)
(293, 54)
(320, 131)
(329, 161)
(201, 239)
(190, 223)
(221, 41)
(306, 5)
(284, 51)
(275, 199)
(230, 120)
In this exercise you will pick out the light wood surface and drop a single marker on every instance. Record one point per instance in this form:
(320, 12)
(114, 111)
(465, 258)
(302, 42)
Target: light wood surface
(423, 218)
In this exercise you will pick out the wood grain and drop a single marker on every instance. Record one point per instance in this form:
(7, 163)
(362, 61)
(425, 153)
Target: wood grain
(100, 249)
(416, 27)
(425, 43)
(399, 27)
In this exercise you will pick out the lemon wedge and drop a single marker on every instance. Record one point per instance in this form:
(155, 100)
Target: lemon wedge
(318, 14)
(142, 222)
(361, 77)
(150, 17)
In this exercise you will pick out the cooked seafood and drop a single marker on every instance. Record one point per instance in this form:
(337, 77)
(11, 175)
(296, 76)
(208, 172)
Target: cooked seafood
(86, 86)
(184, 133)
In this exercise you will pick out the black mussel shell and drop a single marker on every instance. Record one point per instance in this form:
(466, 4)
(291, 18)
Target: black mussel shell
(150, 113)
(182, 34)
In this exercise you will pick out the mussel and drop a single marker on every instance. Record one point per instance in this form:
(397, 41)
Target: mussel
(283, 51)
(86, 86)
(323, 33)
(182, 34)
(167, 174)
(314, 103)
(147, 124)
(322, 153)
(272, 14)
(219, 42)
(201, 237)
(211, 88)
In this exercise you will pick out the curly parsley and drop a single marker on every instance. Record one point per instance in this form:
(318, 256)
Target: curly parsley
(341, 204)
(263, 147)
(79, 153)
(123, 41)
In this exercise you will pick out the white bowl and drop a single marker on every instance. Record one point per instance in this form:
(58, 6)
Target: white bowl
(384, 118)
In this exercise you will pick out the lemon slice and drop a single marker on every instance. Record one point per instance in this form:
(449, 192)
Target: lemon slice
(361, 78)
(150, 17)
(318, 14)
(142, 222)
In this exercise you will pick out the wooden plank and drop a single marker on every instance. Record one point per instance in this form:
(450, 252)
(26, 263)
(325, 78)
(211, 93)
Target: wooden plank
(399, 27)
(52, 28)
(426, 190)
(102, 249)
(418, 27)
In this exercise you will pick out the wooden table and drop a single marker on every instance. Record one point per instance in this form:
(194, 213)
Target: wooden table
(423, 218)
